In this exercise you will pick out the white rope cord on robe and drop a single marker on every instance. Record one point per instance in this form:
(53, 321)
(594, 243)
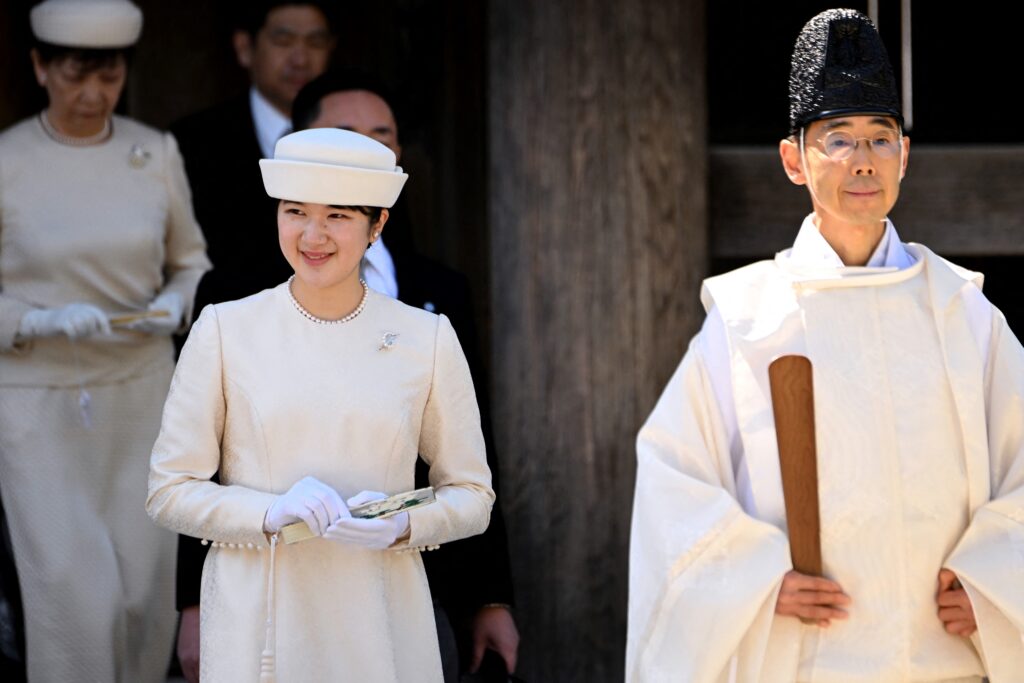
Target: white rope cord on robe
(267, 665)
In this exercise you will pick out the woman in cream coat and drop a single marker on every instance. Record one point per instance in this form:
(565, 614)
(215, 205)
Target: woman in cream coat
(95, 223)
(303, 396)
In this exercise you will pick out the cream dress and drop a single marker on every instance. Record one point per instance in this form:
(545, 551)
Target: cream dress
(266, 397)
(110, 225)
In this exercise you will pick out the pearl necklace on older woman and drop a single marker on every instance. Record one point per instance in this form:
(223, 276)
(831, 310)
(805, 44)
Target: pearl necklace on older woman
(71, 140)
(322, 321)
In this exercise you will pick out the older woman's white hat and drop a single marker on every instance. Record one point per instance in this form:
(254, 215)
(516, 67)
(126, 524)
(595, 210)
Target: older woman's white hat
(333, 166)
(91, 24)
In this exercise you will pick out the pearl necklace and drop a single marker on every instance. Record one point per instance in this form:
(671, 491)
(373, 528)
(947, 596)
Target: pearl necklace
(321, 321)
(63, 139)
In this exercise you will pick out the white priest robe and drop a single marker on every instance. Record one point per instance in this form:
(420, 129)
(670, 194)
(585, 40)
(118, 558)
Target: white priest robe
(920, 438)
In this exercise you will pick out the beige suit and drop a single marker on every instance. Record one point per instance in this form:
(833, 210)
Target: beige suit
(267, 397)
(110, 225)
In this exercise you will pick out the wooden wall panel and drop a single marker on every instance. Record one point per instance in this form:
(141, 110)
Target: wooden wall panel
(964, 200)
(598, 216)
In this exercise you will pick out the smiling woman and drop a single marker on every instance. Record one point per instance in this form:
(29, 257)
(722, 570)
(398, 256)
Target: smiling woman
(347, 180)
(308, 399)
(324, 245)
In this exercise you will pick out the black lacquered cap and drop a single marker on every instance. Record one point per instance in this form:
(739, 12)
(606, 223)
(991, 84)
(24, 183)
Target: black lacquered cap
(839, 68)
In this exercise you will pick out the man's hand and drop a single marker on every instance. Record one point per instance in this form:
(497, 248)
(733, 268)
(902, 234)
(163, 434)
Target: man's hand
(811, 598)
(188, 643)
(494, 629)
(955, 609)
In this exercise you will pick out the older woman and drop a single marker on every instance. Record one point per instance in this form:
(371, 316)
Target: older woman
(95, 225)
(303, 396)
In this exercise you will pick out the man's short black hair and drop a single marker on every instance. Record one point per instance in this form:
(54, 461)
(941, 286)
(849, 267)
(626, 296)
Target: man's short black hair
(251, 15)
(306, 107)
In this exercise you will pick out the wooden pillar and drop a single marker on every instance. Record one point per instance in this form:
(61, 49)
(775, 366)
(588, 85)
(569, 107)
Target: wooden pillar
(598, 219)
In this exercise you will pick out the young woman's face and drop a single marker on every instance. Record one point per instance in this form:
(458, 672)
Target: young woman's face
(324, 244)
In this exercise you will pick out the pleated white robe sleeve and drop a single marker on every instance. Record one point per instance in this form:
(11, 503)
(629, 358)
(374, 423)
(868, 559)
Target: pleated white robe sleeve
(989, 558)
(704, 575)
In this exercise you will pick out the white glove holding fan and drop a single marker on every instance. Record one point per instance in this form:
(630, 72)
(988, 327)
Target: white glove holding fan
(376, 534)
(73, 320)
(173, 304)
(309, 500)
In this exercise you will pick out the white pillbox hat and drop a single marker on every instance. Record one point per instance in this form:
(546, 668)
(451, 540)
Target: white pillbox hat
(333, 166)
(95, 24)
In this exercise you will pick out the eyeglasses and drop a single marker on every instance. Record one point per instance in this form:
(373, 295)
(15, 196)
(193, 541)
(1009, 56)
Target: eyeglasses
(840, 144)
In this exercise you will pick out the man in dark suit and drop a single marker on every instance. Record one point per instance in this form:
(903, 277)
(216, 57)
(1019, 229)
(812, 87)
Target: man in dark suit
(469, 579)
(282, 45)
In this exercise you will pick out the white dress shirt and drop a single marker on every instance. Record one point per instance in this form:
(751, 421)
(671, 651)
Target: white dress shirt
(270, 124)
(378, 269)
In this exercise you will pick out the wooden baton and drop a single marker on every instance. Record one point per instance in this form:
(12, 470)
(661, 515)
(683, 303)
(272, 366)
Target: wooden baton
(792, 387)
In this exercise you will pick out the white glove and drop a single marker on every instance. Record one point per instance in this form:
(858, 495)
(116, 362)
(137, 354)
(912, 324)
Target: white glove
(309, 500)
(369, 533)
(173, 303)
(73, 320)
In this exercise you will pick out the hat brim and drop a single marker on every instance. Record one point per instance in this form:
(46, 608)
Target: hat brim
(860, 111)
(315, 183)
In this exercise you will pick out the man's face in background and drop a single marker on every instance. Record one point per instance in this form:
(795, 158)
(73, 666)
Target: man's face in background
(360, 111)
(291, 48)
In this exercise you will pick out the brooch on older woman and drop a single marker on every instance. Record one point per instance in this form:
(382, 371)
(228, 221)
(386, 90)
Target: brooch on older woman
(138, 157)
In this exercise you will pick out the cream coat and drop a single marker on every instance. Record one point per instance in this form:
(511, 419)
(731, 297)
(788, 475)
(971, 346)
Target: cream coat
(110, 225)
(903, 492)
(267, 397)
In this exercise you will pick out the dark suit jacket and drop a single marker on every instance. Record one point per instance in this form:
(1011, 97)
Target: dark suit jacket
(239, 221)
(467, 574)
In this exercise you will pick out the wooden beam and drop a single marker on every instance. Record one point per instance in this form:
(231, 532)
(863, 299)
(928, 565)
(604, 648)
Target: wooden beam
(598, 206)
(957, 200)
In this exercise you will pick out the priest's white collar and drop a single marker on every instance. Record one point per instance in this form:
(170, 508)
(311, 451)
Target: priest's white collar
(813, 258)
(810, 249)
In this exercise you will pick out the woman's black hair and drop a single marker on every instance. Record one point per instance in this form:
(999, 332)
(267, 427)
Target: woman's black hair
(90, 59)
(372, 211)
